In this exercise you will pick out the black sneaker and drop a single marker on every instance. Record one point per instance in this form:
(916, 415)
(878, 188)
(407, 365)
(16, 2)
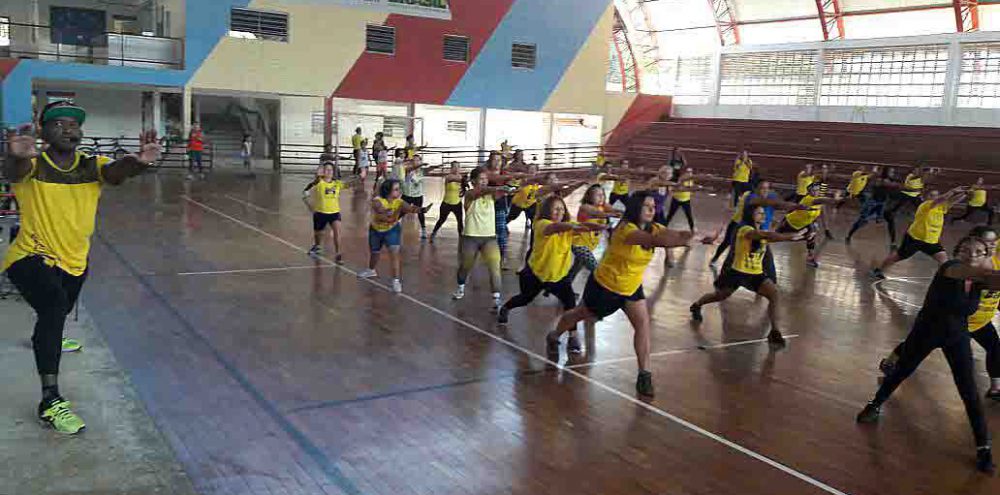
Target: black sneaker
(552, 345)
(503, 315)
(984, 461)
(775, 338)
(573, 345)
(877, 274)
(696, 312)
(869, 414)
(993, 393)
(644, 384)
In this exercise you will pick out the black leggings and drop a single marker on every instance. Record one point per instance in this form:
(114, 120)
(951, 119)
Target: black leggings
(922, 340)
(987, 338)
(972, 209)
(417, 201)
(52, 293)
(531, 286)
(738, 189)
(443, 211)
(686, 206)
(727, 240)
(892, 207)
(515, 211)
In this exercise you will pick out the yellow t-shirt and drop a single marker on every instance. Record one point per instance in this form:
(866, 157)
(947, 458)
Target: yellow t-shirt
(623, 265)
(58, 209)
(684, 196)
(480, 219)
(740, 207)
(526, 196)
(988, 303)
(356, 141)
(978, 197)
(601, 160)
(741, 170)
(859, 180)
(620, 187)
(551, 255)
(803, 182)
(326, 196)
(745, 258)
(589, 240)
(384, 224)
(800, 219)
(913, 186)
(928, 222)
(452, 193)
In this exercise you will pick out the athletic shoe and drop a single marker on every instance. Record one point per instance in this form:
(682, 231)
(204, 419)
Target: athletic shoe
(696, 312)
(459, 293)
(886, 367)
(368, 273)
(877, 274)
(552, 345)
(70, 345)
(497, 305)
(58, 414)
(503, 316)
(829, 235)
(775, 337)
(869, 414)
(984, 460)
(315, 251)
(993, 393)
(669, 263)
(573, 345)
(431, 238)
(423, 235)
(644, 384)
(812, 263)
(712, 263)
(339, 259)
(397, 286)
(189, 177)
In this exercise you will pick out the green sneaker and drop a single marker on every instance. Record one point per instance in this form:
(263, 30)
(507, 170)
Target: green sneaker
(70, 345)
(60, 417)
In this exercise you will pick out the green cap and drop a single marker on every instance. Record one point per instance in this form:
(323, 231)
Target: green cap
(63, 109)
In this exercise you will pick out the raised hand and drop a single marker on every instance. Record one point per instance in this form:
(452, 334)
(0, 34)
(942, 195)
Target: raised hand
(21, 143)
(149, 147)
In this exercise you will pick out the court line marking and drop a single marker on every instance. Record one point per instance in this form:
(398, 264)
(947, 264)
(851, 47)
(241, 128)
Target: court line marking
(261, 208)
(676, 351)
(258, 270)
(607, 388)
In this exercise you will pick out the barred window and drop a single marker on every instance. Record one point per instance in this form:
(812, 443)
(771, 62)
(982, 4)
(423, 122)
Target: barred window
(380, 39)
(691, 79)
(456, 48)
(912, 76)
(769, 78)
(523, 55)
(979, 86)
(318, 122)
(458, 126)
(4, 31)
(256, 24)
(394, 126)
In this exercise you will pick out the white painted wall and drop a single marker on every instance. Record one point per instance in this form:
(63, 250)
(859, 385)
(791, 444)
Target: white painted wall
(110, 113)
(296, 119)
(436, 120)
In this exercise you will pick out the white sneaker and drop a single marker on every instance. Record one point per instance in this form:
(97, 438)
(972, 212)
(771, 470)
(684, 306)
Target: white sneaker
(397, 286)
(367, 273)
(497, 303)
(315, 250)
(459, 293)
(189, 177)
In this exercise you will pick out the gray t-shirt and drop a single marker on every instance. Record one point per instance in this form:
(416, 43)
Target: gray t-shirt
(413, 185)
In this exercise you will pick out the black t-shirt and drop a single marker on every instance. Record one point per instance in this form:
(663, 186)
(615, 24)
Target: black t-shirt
(880, 192)
(947, 302)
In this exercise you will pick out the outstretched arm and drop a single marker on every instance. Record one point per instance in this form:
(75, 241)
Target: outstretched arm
(774, 236)
(989, 278)
(21, 151)
(133, 164)
(665, 238)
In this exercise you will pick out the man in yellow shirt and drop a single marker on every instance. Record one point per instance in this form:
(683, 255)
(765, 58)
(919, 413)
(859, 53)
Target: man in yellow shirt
(978, 202)
(58, 191)
(924, 234)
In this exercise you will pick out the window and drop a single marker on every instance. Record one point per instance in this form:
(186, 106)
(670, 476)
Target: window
(380, 39)
(768, 78)
(523, 55)
(4, 31)
(458, 126)
(689, 79)
(257, 24)
(456, 48)
(318, 122)
(979, 86)
(911, 76)
(394, 126)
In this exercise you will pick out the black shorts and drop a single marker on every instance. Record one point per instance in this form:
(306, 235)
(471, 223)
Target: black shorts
(602, 302)
(911, 246)
(321, 220)
(731, 279)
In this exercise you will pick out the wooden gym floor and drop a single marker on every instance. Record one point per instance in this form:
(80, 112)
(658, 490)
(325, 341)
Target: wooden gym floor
(273, 373)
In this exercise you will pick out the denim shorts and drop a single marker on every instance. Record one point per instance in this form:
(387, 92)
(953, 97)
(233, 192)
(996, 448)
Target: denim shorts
(390, 238)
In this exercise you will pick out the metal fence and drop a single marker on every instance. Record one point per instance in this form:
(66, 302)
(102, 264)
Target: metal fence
(43, 42)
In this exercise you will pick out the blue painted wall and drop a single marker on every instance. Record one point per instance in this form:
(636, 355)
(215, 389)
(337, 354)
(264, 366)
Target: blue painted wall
(558, 27)
(207, 21)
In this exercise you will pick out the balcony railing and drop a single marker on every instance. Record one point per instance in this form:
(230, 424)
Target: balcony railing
(43, 42)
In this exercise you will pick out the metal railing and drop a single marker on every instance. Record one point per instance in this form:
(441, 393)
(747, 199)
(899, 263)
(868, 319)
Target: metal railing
(43, 42)
(174, 154)
(305, 157)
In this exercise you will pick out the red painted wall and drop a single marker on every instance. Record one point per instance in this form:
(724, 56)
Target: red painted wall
(6, 65)
(645, 109)
(418, 72)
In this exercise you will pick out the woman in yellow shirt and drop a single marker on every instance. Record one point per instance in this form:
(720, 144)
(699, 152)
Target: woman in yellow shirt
(481, 233)
(745, 268)
(620, 190)
(808, 221)
(680, 197)
(526, 197)
(322, 197)
(742, 171)
(385, 231)
(454, 189)
(977, 202)
(617, 282)
(551, 258)
(924, 234)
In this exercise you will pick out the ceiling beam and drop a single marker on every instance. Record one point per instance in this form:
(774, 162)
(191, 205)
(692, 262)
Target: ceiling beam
(831, 19)
(966, 15)
(725, 22)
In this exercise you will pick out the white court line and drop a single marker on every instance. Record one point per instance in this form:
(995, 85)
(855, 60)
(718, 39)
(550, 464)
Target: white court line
(607, 388)
(258, 270)
(876, 286)
(261, 208)
(675, 351)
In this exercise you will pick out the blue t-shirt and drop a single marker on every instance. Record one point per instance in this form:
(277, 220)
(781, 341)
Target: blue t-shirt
(768, 210)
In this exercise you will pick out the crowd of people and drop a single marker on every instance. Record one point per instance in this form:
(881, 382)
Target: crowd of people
(613, 236)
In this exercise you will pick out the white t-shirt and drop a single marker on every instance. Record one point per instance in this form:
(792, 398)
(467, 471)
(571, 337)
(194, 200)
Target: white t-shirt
(413, 186)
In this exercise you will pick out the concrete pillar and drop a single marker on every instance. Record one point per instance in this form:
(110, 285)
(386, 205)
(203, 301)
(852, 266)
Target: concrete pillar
(818, 84)
(158, 113)
(482, 135)
(186, 109)
(952, 80)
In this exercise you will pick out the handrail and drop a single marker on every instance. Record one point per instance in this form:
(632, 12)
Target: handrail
(49, 26)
